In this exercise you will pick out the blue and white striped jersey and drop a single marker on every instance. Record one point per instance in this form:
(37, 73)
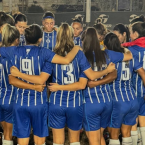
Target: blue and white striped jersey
(68, 74)
(139, 53)
(31, 60)
(7, 91)
(101, 93)
(77, 41)
(49, 40)
(122, 87)
(22, 40)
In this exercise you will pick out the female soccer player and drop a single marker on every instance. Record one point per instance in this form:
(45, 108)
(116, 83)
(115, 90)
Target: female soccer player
(49, 31)
(5, 19)
(137, 47)
(97, 98)
(21, 24)
(77, 26)
(101, 32)
(122, 33)
(10, 39)
(30, 108)
(125, 104)
(65, 103)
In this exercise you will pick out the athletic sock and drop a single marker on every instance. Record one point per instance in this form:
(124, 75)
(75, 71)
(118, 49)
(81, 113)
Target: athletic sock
(134, 136)
(57, 144)
(126, 141)
(142, 131)
(7, 142)
(75, 143)
(114, 142)
(139, 142)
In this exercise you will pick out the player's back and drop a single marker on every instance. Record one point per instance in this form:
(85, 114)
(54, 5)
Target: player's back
(7, 91)
(68, 74)
(139, 53)
(31, 60)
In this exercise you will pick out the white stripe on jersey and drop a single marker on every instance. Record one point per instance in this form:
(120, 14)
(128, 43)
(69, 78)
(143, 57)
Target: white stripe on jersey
(5, 85)
(56, 82)
(47, 42)
(11, 94)
(126, 91)
(61, 98)
(79, 99)
(114, 86)
(90, 95)
(97, 95)
(39, 73)
(102, 94)
(107, 93)
(52, 40)
(68, 98)
(120, 85)
(74, 98)
(29, 98)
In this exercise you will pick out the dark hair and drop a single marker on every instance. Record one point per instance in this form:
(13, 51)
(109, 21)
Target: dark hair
(6, 18)
(121, 29)
(83, 35)
(33, 33)
(91, 47)
(78, 19)
(19, 17)
(112, 42)
(48, 15)
(139, 28)
(101, 29)
(138, 19)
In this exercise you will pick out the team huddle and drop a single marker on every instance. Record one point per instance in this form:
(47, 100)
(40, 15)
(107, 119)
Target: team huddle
(90, 79)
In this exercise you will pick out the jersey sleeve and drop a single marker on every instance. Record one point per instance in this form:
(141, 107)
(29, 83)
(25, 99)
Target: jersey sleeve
(47, 68)
(136, 64)
(48, 54)
(83, 62)
(82, 75)
(115, 56)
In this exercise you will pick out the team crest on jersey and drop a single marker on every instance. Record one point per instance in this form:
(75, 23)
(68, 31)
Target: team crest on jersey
(48, 40)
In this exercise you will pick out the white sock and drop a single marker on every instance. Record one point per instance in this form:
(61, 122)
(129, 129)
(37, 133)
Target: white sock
(134, 135)
(126, 141)
(142, 131)
(57, 144)
(41, 144)
(139, 142)
(7, 142)
(114, 142)
(75, 143)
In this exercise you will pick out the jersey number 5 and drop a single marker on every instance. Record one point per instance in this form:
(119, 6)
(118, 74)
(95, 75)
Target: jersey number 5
(125, 72)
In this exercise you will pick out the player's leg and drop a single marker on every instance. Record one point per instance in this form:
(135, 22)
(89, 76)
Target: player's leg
(92, 122)
(57, 121)
(21, 124)
(74, 119)
(128, 121)
(105, 119)
(120, 109)
(39, 123)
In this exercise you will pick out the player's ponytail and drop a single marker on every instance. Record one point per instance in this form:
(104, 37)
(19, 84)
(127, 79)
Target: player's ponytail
(91, 47)
(9, 35)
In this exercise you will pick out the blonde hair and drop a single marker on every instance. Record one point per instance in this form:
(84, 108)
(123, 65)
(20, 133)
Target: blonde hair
(64, 40)
(9, 35)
